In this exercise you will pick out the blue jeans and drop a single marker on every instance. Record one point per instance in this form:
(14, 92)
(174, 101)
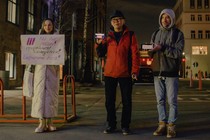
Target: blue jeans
(166, 88)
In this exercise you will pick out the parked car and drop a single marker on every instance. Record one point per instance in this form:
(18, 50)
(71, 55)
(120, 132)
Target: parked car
(145, 75)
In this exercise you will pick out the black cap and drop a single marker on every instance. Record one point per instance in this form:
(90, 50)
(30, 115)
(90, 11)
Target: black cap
(117, 13)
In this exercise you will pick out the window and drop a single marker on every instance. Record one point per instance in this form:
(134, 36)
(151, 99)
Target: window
(192, 4)
(206, 4)
(192, 17)
(30, 15)
(199, 17)
(10, 64)
(199, 50)
(208, 34)
(200, 34)
(207, 17)
(13, 11)
(199, 4)
(193, 34)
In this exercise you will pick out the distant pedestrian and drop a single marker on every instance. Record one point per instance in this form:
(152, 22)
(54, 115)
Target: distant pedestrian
(167, 54)
(196, 75)
(206, 74)
(46, 89)
(122, 65)
(187, 74)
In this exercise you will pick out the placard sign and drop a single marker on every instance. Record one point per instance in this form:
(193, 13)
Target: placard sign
(42, 49)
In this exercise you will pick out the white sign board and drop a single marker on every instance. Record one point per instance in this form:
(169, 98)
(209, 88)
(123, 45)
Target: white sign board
(42, 49)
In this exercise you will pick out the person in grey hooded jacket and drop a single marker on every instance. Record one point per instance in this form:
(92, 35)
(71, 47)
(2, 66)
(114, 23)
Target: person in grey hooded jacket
(168, 44)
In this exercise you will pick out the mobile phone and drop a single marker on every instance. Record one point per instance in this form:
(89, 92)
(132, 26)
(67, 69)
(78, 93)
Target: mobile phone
(147, 46)
(99, 35)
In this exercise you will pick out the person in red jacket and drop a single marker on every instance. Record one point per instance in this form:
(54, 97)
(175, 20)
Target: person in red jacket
(120, 48)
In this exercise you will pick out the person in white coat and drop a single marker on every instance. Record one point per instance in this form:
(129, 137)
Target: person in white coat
(46, 89)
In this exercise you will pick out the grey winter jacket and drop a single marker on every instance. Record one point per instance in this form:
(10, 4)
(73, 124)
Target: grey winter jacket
(166, 62)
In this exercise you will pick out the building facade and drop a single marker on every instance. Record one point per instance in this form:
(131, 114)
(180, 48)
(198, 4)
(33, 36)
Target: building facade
(193, 18)
(18, 17)
(79, 20)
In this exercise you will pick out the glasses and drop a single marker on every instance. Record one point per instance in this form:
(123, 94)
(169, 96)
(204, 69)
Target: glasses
(116, 19)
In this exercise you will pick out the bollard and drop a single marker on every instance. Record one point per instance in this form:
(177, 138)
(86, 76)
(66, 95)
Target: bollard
(1, 97)
(191, 79)
(199, 80)
(25, 116)
(73, 100)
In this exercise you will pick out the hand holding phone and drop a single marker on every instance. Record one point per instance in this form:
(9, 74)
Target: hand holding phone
(99, 37)
(157, 47)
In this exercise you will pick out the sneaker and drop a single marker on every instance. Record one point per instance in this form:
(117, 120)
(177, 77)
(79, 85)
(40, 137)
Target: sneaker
(125, 131)
(171, 132)
(109, 130)
(161, 130)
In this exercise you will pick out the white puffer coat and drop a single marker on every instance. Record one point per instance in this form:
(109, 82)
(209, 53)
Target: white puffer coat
(46, 90)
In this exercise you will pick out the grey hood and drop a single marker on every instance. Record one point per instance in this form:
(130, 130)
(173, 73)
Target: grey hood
(171, 14)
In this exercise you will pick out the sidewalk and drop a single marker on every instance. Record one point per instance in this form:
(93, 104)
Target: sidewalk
(88, 126)
(92, 115)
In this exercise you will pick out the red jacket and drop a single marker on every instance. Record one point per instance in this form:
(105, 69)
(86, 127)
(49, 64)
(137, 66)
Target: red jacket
(117, 55)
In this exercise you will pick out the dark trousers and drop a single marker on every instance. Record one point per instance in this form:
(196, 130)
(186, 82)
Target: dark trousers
(110, 93)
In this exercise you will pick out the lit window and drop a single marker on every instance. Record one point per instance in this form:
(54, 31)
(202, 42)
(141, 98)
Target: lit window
(208, 34)
(199, 50)
(10, 64)
(30, 13)
(192, 17)
(206, 4)
(199, 17)
(193, 34)
(200, 34)
(192, 4)
(199, 4)
(13, 11)
(207, 17)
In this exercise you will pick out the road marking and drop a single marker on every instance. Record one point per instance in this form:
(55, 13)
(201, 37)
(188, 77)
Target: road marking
(188, 95)
(180, 101)
(196, 99)
(145, 92)
(137, 92)
(179, 98)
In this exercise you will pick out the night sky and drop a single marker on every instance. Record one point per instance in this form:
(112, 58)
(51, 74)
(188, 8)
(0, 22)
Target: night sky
(141, 15)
